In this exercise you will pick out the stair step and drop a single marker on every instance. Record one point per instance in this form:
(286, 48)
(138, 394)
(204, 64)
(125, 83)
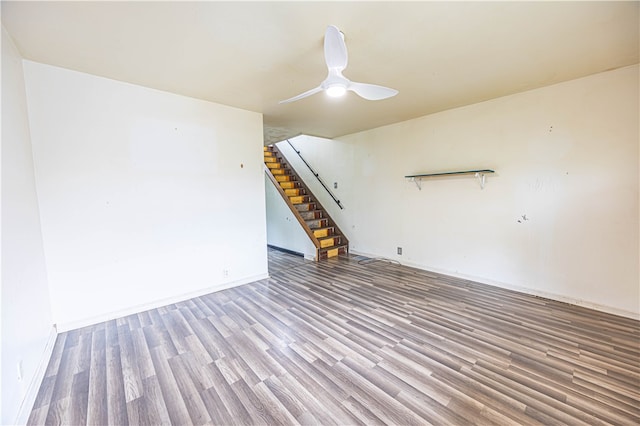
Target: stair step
(306, 207)
(294, 192)
(317, 223)
(299, 199)
(330, 241)
(274, 165)
(279, 172)
(333, 253)
(284, 178)
(311, 215)
(326, 253)
(270, 159)
(323, 232)
(289, 184)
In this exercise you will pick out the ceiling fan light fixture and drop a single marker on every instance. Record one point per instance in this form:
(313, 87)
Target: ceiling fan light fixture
(336, 84)
(336, 90)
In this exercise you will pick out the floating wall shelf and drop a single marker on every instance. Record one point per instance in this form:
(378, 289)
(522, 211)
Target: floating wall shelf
(480, 174)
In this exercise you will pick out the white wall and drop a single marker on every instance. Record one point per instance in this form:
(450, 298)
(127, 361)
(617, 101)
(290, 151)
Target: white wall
(283, 229)
(566, 157)
(27, 324)
(146, 197)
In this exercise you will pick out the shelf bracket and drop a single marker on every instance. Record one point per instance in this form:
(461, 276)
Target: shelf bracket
(481, 177)
(417, 182)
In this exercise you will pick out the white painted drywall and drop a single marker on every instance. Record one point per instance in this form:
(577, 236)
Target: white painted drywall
(146, 197)
(283, 229)
(27, 323)
(566, 157)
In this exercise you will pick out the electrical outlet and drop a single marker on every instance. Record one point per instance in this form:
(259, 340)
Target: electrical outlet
(225, 273)
(400, 251)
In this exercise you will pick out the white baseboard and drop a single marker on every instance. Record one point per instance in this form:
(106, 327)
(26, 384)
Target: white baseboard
(526, 290)
(36, 381)
(62, 327)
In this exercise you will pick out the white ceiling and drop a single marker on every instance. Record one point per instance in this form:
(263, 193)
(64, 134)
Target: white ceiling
(250, 55)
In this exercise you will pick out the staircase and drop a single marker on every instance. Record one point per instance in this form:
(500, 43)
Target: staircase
(316, 222)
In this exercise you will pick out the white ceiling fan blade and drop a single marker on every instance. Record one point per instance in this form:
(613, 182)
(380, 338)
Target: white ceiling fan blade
(372, 92)
(335, 50)
(303, 95)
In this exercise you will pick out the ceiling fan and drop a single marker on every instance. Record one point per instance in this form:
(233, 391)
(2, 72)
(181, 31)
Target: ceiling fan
(335, 55)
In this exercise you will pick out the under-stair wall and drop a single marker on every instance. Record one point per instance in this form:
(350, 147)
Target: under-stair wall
(323, 232)
(283, 230)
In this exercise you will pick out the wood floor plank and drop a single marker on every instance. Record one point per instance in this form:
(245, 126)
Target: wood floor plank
(375, 399)
(62, 388)
(466, 394)
(278, 410)
(316, 410)
(224, 392)
(189, 389)
(137, 411)
(326, 395)
(79, 398)
(97, 411)
(59, 412)
(286, 397)
(556, 409)
(176, 407)
(43, 399)
(259, 412)
(132, 378)
(361, 412)
(156, 409)
(115, 396)
(343, 342)
(141, 353)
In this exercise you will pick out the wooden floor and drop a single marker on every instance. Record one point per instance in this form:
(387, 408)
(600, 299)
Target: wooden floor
(349, 342)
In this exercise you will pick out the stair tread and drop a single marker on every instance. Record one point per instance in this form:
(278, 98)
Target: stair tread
(300, 207)
(328, 236)
(338, 246)
(316, 220)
